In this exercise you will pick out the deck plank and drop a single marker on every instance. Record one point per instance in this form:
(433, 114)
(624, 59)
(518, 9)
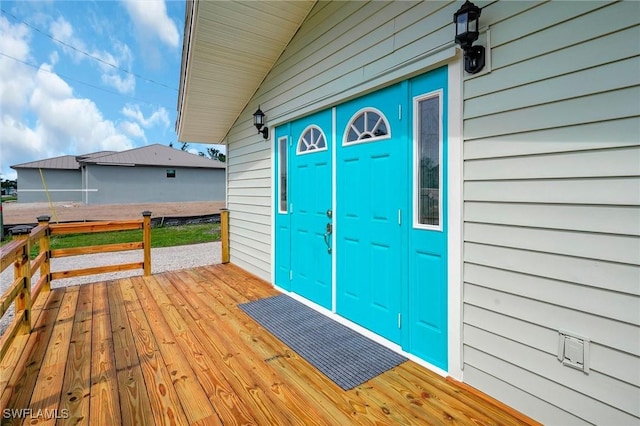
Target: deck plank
(175, 348)
(46, 394)
(75, 388)
(290, 365)
(280, 357)
(324, 408)
(195, 402)
(104, 407)
(22, 345)
(135, 407)
(165, 404)
(17, 393)
(230, 409)
(245, 381)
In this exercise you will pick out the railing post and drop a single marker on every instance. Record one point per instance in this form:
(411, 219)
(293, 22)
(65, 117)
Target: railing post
(22, 269)
(224, 235)
(45, 247)
(146, 241)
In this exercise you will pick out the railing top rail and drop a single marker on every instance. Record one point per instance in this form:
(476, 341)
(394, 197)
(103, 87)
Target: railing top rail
(90, 227)
(94, 223)
(38, 232)
(9, 253)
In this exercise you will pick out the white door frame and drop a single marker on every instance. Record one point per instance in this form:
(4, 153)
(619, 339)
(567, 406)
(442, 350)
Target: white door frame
(455, 226)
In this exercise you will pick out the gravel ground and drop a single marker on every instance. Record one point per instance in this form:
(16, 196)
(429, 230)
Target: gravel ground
(162, 260)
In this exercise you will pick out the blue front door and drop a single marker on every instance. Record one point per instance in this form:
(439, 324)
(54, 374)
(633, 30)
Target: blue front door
(310, 202)
(390, 216)
(370, 204)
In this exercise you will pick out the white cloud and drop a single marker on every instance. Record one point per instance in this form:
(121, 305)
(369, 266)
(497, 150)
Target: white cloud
(40, 116)
(120, 58)
(16, 79)
(133, 129)
(157, 117)
(150, 18)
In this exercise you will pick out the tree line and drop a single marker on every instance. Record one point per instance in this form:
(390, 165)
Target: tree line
(212, 153)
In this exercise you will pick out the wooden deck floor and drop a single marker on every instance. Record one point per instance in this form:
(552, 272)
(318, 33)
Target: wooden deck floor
(174, 348)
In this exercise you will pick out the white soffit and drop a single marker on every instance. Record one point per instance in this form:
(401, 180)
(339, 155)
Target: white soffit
(229, 47)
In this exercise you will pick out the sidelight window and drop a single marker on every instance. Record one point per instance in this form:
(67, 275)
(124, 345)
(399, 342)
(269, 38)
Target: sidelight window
(428, 161)
(282, 174)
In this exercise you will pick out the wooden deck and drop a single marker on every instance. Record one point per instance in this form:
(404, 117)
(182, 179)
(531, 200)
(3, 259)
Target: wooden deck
(174, 348)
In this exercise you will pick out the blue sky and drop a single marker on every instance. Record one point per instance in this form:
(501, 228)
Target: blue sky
(84, 76)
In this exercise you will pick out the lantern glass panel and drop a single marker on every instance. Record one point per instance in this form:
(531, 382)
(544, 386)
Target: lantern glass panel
(473, 25)
(461, 22)
(258, 119)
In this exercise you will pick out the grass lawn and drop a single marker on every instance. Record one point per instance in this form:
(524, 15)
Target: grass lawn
(166, 236)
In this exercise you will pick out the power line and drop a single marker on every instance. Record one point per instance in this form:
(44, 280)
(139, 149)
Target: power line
(75, 79)
(85, 53)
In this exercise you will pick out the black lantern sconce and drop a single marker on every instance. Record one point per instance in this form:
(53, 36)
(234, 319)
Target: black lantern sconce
(258, 121)
(466, 20)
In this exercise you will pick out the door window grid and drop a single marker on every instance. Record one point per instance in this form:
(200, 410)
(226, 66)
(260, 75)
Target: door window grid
(312, 140)
(282, 174)
(367, 125)
(428, 161)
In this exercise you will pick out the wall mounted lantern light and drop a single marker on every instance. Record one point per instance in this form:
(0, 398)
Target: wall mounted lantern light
(258, 121)
(466, 20)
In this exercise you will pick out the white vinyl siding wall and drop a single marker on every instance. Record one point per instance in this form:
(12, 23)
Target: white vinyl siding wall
(341, 50)
(552, 210)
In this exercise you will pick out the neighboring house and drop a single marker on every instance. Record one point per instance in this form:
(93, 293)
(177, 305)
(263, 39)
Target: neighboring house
(60, 178)
(487, 225)
(150, 174)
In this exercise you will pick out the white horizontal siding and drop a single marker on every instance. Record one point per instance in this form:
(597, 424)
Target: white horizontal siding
(621, 220)
(604, 360)
(587, 109)
(608, 191)
(532, 37)
(556, 62)
(613, 248)
(617, 162)
(566, 86)
(532, 367)
(505, 391)
(587, 272)
(552, 210)
(585, 136)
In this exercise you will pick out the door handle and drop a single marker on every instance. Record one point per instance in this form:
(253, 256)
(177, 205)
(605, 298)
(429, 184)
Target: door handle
(326, 237)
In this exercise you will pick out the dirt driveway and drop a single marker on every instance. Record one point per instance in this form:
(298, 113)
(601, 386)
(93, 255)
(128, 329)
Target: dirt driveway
(26, 213)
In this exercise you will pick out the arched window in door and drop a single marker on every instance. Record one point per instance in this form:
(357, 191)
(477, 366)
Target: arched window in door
(367, 125)
(312, 140)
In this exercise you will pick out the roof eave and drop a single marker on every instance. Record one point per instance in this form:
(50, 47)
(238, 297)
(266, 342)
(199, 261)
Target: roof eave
(222, 35)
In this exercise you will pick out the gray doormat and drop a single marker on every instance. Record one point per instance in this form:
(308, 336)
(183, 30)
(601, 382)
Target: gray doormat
(344, 356)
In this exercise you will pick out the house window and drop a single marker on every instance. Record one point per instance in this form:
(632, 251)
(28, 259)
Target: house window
(312, 139)
(427, 160)
(171, 173)
(282, 173)
(367, 125)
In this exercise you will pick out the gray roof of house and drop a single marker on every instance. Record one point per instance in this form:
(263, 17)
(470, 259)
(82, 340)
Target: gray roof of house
(94, 155)
(151, 155)
(64, 162)
(156, 155)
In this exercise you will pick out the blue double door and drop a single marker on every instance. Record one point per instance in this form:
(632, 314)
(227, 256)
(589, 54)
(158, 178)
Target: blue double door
(363, 228)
